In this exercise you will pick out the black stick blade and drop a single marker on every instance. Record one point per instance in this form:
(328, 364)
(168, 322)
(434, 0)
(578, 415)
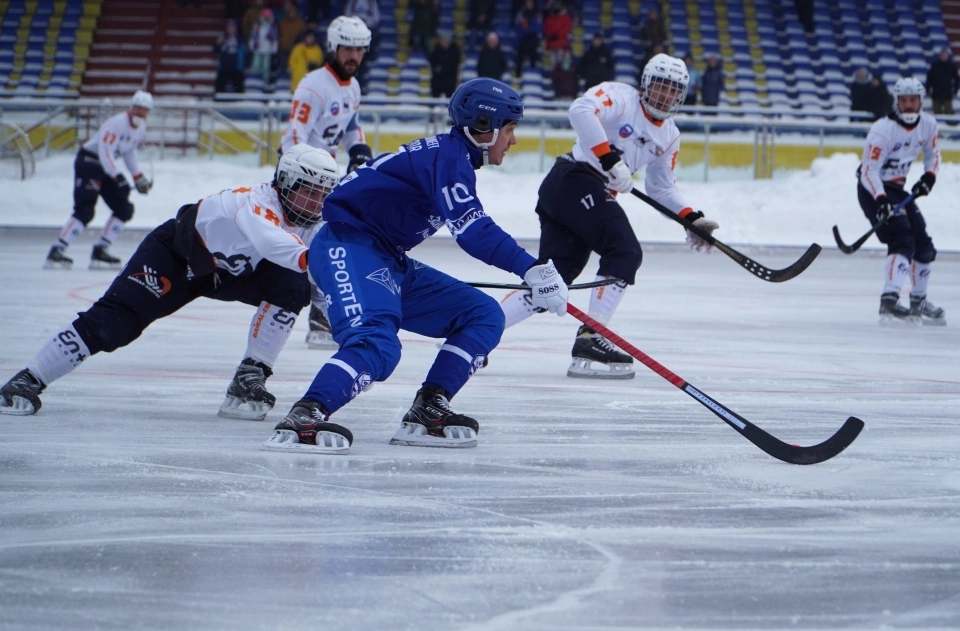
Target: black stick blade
(795, 454)
(794, 270)
(846, 249)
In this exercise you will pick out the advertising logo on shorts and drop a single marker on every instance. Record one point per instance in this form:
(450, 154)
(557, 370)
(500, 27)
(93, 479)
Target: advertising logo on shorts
(156, 284)
(335, 108)
(626, 131)
(361, 383)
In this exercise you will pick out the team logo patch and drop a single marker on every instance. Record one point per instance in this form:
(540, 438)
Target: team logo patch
(156, 284)
(477, 363)
(361, 383)
(626, 131)
(335, 108)
(383, 277)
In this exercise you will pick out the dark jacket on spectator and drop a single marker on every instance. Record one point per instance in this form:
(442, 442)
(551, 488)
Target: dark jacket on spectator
(445, 66)
(491, 62)
(943, 80)
(711, 85)
(596, 66)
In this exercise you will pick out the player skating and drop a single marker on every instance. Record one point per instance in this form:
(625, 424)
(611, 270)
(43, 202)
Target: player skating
(373, 289)
(96, 173)
(892, 144)
(244, 245)
(324, 114)
(619, 130)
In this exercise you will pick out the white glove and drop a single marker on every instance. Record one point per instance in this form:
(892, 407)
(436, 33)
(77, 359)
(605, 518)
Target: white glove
(547, 289)
(620, 178)
(142, 183)
(705, 225)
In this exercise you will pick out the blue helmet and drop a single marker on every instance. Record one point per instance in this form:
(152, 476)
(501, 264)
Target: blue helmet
(483, 105)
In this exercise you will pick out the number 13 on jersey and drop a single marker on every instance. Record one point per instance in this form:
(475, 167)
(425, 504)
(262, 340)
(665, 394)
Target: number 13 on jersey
(300, 112)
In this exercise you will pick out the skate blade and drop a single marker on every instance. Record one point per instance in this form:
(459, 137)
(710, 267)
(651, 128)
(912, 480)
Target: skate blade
(583, 369)
(934, 322)
(893, 321)
(57, 265)
(243, 410)
(415, 435)
(321, 341)
(328, 443)
(19, 407)
(101, 265)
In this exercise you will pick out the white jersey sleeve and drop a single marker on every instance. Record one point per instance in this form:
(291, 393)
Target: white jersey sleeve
(243, 226)
(117, 138)
(891, 148)
(324, 112)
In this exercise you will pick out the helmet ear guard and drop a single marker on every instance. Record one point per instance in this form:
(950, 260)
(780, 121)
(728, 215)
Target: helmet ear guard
(484, 105)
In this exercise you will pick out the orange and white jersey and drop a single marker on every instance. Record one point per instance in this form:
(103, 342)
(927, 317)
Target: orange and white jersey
(324, 112)
(609, 116)
(117, 138)
(243, 226)
(891, 148)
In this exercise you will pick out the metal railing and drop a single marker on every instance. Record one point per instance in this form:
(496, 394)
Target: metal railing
(185, 126)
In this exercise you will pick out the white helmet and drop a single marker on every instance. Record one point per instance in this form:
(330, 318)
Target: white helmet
(663, 86)
(347, 31)
(142, 98)
(305, 176)
(908, 86)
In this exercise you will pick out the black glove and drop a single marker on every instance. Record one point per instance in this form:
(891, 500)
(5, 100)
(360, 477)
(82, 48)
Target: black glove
(359, 154)
(884, 208)
(924, 185)
(121, 181)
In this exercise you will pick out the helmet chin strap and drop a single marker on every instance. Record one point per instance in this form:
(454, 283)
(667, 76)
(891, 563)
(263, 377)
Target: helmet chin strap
(483, 146)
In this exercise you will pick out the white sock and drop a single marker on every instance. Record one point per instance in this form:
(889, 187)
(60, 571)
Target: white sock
(605, 300)
(895, 271)
(517, 307)
(60, 355)
(920, 277)
(72, 230)
(269, 331)
(111, 231)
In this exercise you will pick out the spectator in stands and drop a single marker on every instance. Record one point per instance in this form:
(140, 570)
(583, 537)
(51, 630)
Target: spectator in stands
(529, 28)
(264, 42)
(693, 88)
(805, 14)
(304, 57)
(859, 93)
(318, 10)
(711, 83)
(290, 27)
(369, 12)
(424, 18)
(653, 32)
(444, 65)
(231, 59)
(492, 61)
(879, 99)
(943, 81)
(250, 18)
(596, 65)
(557, 26)
(564, 77)
(480, 23)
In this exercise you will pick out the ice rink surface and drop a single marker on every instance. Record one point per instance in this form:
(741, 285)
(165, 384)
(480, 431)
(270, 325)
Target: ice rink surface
(588, 505)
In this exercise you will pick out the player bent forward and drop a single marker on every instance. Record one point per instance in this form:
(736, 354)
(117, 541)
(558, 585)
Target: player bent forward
(246, 245)
(377, 214)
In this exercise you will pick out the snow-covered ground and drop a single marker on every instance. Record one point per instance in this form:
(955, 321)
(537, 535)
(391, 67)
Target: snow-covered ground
(798, 209)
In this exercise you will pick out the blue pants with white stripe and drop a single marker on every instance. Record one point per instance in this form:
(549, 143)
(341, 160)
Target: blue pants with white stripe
(371, 296)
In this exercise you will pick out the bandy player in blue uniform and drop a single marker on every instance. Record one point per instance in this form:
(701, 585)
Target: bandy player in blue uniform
(373, 289)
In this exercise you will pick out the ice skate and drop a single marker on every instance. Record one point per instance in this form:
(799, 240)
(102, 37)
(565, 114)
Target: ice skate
(892, 313)
(247, 397)
(305, 430)
(596, 358)
(101, 259)
(56, 259)
(21, 395)
(431, 423)
(319, 336)
(928, 313)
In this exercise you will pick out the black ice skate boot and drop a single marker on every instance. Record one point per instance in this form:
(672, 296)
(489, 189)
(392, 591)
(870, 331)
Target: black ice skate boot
(306, 430)
(247, 396)
(56, 259)
(928, 313)
(21, 395)
(893, 313)
(319, 335)
(594, 357)
(101, 259)
(431, 423)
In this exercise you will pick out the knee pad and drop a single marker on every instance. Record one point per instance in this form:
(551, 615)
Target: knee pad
(291, 291)
(926, 253)
(896, 234)
(622, 263)
(84, 202)
(123, 212)
(107, 327)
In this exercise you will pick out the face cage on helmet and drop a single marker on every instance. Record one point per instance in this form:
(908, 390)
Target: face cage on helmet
(303, 202)
(663, 97)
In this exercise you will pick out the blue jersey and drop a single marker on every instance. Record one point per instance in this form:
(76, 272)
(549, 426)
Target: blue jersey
(402, 198)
